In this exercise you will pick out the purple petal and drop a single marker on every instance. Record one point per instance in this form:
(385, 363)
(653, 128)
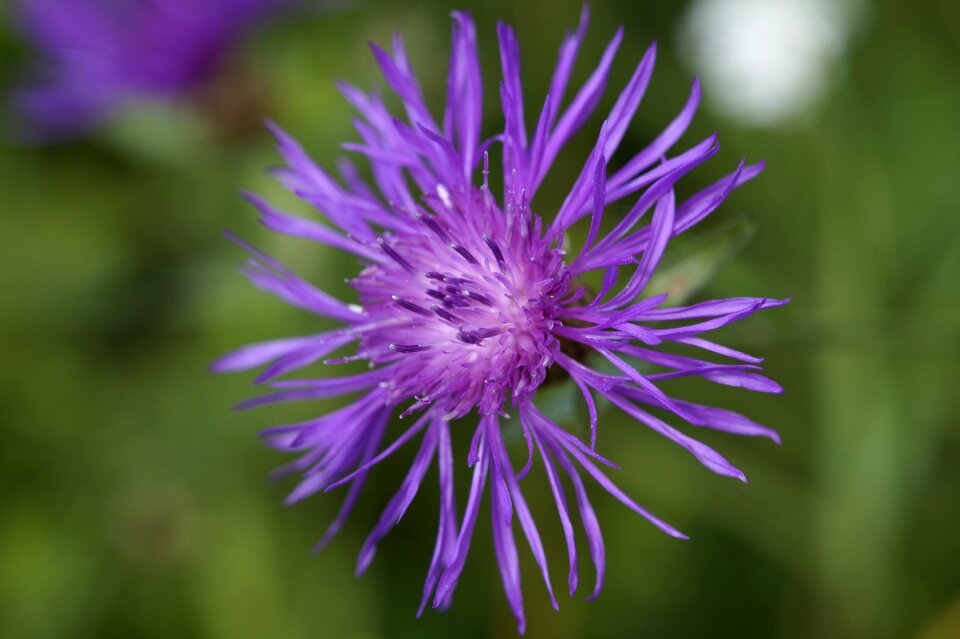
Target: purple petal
(268, 274)
(565, 60)
(580, 192)
(599, 188)
(626, 105)
(527, 524)
(588, 518)
(403, 83)
(355, 488)
(640, 381)
(591, 409)
(620, 496)
(510, 67)
(699, 206)
(505, 549)
(258, 354)
(307, 355)
(319, 389)
(661, 230)
(581, 107)
(463, 115)
(729, 376)
(719, 349)
(560, 498)
(706, 416)
(451, 574)
(445, 546)
(389, 450)
(299, 227)
(706, 455)
(401, 500)
(498, 481)
(712, 308)
(662, 143)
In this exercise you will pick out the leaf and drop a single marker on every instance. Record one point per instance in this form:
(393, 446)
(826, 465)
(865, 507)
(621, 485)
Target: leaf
(697, 259)
(159, 134)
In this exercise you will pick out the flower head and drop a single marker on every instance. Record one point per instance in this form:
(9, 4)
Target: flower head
(100, 54)
(466, 300)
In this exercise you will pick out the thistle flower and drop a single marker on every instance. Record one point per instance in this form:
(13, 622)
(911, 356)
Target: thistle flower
(466, 301)
(98, 55)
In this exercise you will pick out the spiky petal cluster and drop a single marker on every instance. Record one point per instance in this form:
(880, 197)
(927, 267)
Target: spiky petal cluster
(465, 303)
(100, 54)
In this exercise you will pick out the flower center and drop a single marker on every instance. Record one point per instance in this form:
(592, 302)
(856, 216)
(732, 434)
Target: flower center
(470, 300)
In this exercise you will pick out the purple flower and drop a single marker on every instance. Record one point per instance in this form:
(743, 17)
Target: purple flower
(467, 300)
(99, 54)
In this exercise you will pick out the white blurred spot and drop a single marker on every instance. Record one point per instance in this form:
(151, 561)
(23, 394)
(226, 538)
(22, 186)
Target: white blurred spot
(765, 61)
(444, 196)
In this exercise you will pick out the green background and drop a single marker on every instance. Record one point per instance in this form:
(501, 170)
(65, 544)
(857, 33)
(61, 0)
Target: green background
(133, 501)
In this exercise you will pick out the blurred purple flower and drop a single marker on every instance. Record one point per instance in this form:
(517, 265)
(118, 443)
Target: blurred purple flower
(466, 302)
(97, 55)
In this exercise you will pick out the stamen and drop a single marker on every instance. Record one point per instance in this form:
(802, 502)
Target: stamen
(486, 170)
(450, 317)
(408, 348)
(459, 302)
(483, 299)
(464, 253)
(494, 249)
(436, 228)
(410, 306)
(477, 335)
(396, 257)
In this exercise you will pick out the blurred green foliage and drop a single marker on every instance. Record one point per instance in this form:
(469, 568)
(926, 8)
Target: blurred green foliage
(133, 501)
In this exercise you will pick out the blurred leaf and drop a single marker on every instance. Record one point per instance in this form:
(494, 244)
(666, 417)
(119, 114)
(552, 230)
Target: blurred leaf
(161, 134)
(44, 567)
(690, 264)
(946, 625)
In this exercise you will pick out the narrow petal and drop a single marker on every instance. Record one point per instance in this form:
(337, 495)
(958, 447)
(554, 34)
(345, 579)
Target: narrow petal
(591, 526)
(319, 389)
(641, 381)
(445, 546)
(300, 227)
(268, 274)
(563, 511)
(527, 524)
(661, 230)
(704, 454)
(403, 83)
(626, 105)
(451, 574)
(505, 549)
(702, 204)
(354, 493)
(465, 92)
(389, 450)
(582, 106)
(706, 416)
(662, 143)
(259, 354)
(401, 500)
(510, 68)
(620, 496)
(566, 58)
